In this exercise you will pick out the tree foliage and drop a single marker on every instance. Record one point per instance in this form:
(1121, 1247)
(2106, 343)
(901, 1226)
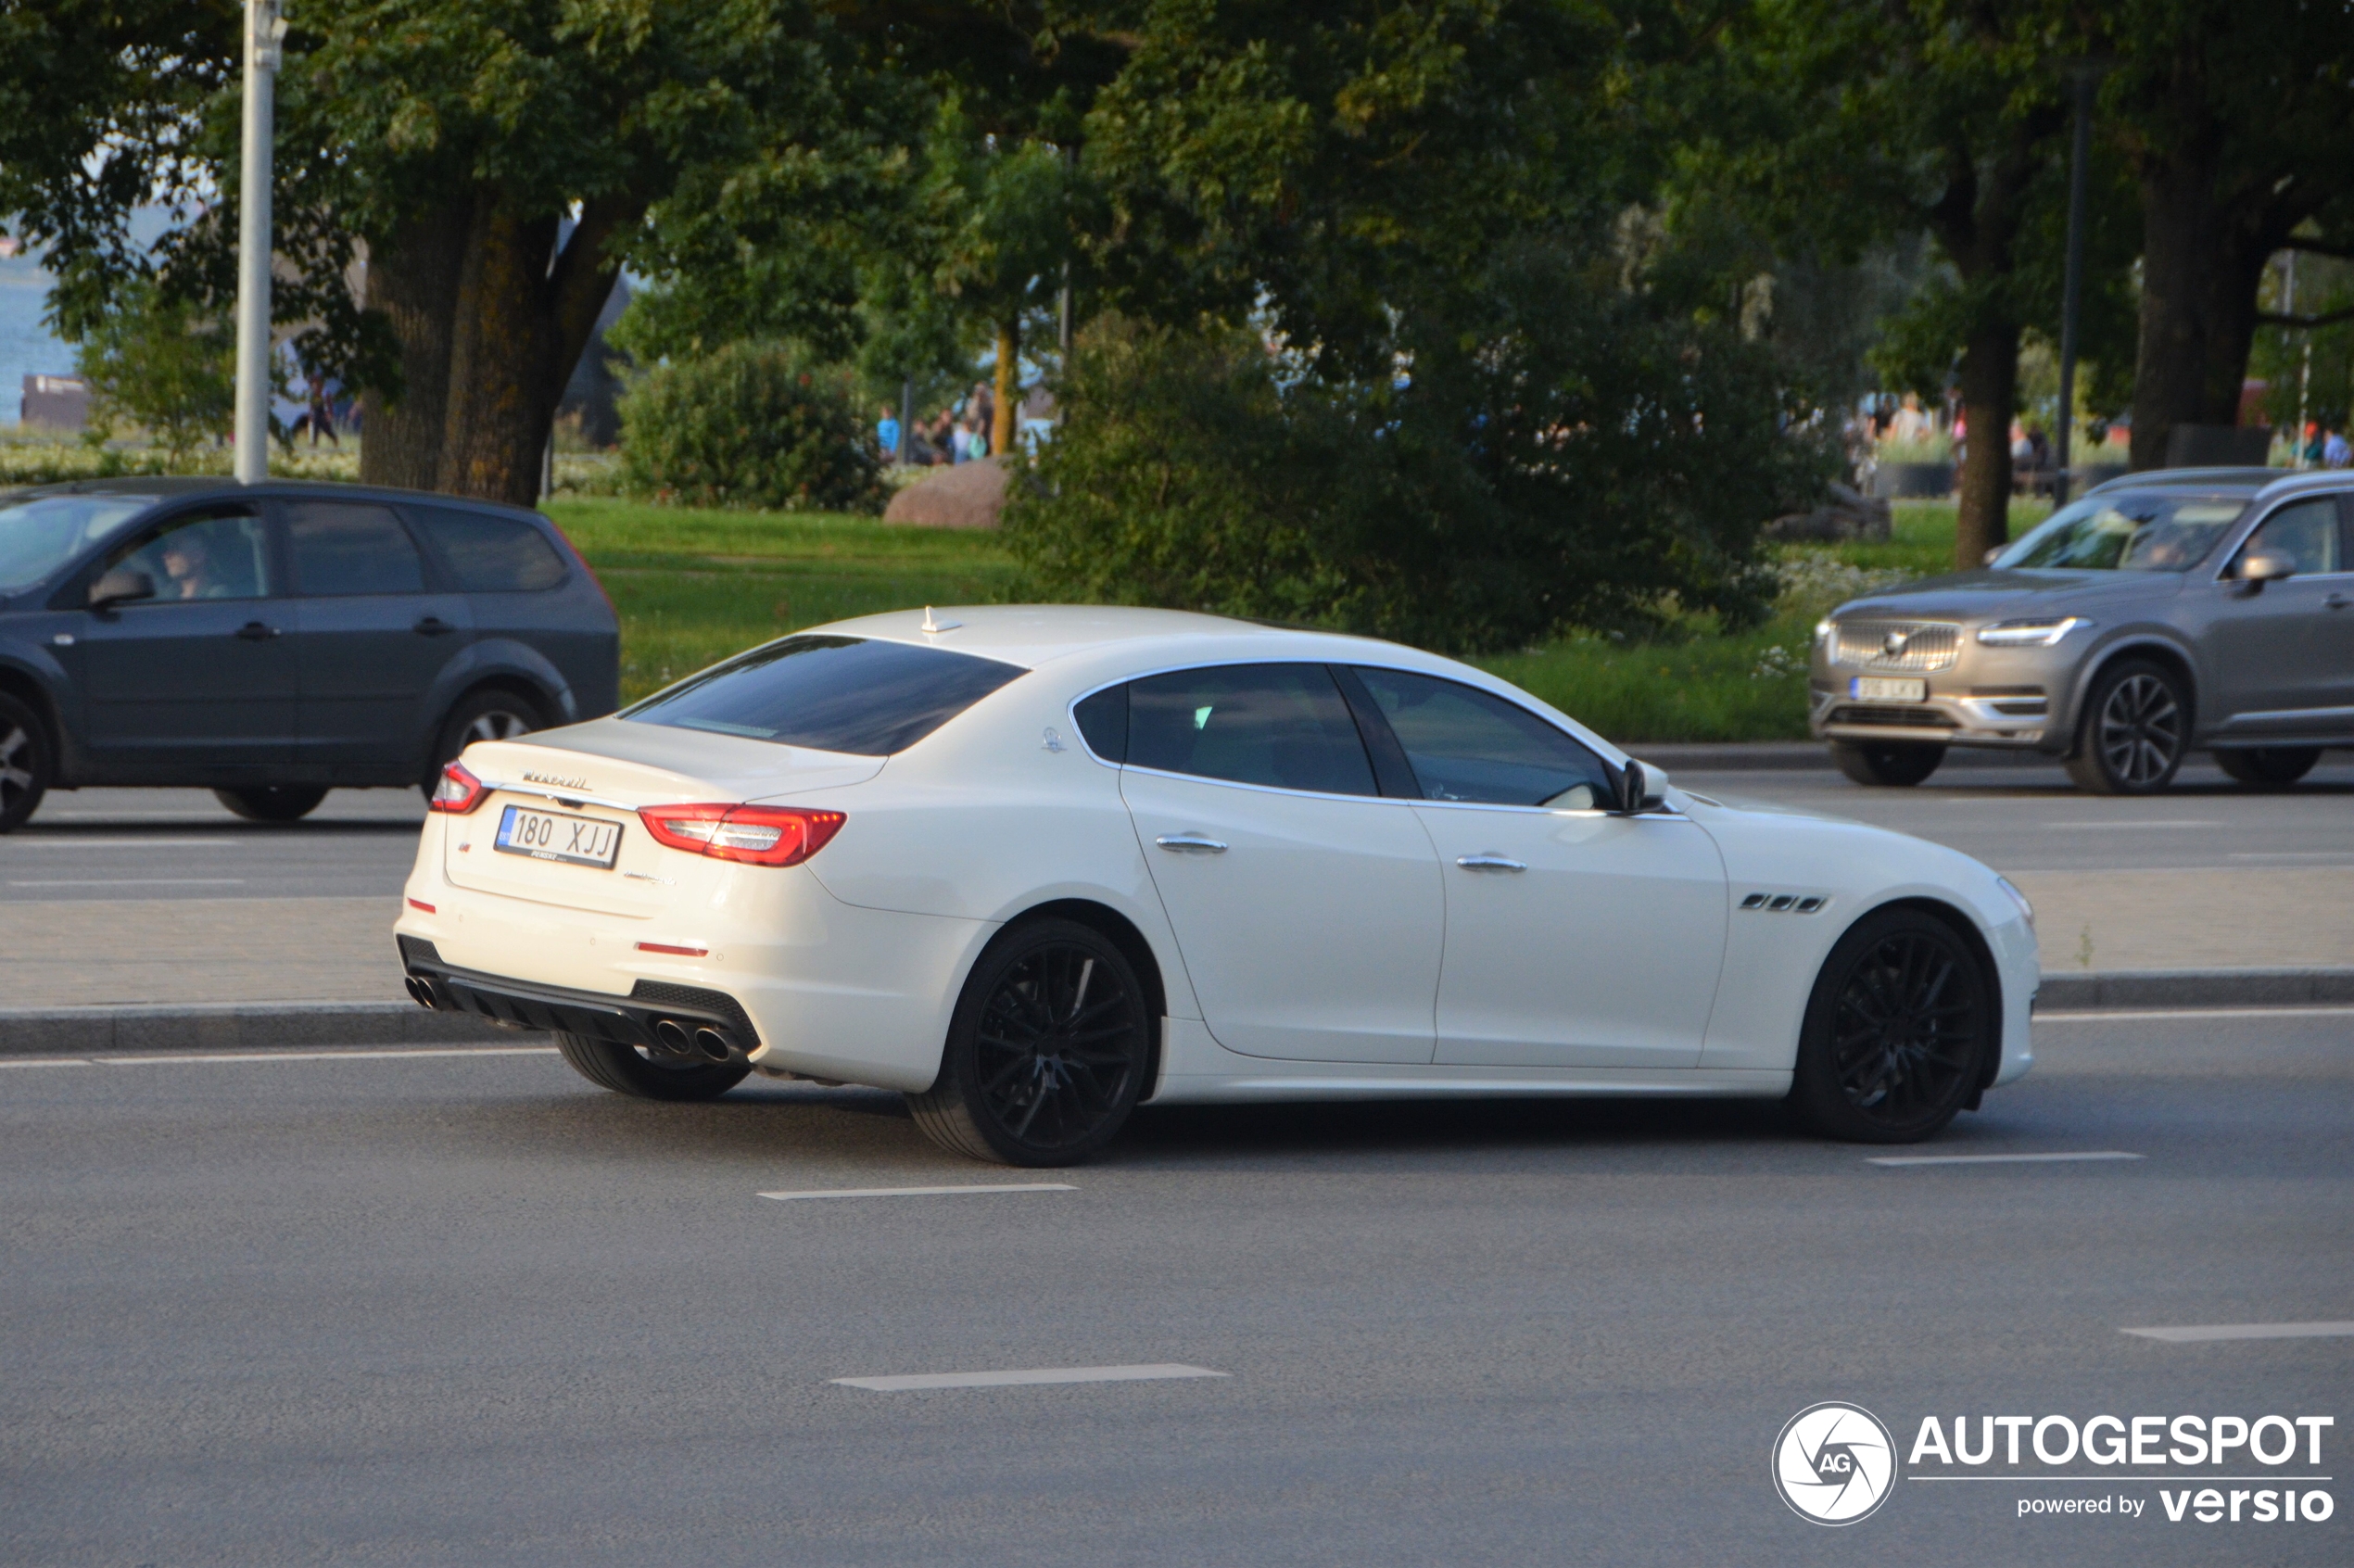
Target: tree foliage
(153, 360)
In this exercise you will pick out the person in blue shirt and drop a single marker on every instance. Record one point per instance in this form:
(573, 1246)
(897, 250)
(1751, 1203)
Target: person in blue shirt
(886, 434)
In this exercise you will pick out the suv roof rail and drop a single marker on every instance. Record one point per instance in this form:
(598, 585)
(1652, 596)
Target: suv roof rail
(2146, 478)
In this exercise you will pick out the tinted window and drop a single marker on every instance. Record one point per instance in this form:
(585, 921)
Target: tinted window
(341, 548)
(2304, 531)
(42, 533)
(2155, 532)
(493, 554)
(1467, 745)
(1103, 721)
(830, 693)
(213, 556)
(1279, 724)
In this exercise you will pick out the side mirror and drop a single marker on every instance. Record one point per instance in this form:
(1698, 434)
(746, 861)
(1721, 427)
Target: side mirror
(120, 586)
(1632, 788)
(2267, 567)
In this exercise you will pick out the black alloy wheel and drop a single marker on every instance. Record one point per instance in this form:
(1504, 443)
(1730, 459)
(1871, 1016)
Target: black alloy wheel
(643, 1074)
(272, 803)
(1897, 1033)
(1046, 1053)
(2137, 727)
(485, 716)
(27, 765)
(2268, 767)
(1878, 763)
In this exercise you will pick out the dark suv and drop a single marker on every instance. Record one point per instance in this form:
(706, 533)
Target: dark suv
(271, 641)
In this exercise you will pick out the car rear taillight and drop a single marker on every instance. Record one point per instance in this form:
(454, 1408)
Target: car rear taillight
(756, 835)
(459, 792)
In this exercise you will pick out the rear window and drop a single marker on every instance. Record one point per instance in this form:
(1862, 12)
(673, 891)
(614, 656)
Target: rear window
(493, 554)
(829, 693)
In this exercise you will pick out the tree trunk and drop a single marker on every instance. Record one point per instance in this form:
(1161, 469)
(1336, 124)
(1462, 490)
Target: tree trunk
(1006, 418)
(521, 323)
(412, 279)
(1990, 398)
(2172, 364)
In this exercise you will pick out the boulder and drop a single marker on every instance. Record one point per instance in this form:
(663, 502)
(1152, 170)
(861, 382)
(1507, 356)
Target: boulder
(1846, 516)
(967, 496)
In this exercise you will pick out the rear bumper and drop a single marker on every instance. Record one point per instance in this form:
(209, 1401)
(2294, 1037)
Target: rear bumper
(635, 1019)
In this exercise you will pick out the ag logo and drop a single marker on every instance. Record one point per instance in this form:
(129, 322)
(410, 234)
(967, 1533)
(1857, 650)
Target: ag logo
(1835, 1463)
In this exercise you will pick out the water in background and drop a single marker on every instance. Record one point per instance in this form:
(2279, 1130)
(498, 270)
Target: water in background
(26, 346)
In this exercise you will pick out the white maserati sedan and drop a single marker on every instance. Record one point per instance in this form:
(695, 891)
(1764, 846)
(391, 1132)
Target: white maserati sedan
(1035, 866)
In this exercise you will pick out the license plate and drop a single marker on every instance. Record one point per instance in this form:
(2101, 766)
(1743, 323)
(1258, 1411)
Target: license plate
(552, 835)
(1886, 689)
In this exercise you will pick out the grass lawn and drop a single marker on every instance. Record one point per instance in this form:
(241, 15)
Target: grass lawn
(694, 586)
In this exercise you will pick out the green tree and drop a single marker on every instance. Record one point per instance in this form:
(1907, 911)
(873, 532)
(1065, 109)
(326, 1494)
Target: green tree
(152, 360)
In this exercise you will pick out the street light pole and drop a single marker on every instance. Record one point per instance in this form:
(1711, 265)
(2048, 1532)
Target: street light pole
(2073, 283)
(263, 32)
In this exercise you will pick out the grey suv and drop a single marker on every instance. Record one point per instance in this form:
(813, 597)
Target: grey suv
(271, 641)
(2164, 612)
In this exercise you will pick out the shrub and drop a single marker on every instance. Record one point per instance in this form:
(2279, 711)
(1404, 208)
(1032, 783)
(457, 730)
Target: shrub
(749, 425)
(155, 362)
(1557, 457)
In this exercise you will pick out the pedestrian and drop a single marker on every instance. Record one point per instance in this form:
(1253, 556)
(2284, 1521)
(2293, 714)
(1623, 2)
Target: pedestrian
(887, 434)
(321, 414)
(2335, 452)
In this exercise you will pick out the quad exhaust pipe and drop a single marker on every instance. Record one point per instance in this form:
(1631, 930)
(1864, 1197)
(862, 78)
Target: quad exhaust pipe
(421, 990)
(681, 1039)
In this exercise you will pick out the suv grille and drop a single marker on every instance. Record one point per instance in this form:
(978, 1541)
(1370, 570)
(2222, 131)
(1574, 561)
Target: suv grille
(1919, 645)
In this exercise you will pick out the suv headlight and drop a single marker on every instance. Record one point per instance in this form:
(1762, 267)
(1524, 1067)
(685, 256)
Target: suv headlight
(2029, 634)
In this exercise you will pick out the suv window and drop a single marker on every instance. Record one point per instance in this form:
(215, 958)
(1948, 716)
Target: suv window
(2149, 531)
(345, 548)
(829, 693)
(1283, 726)
(211, 555)
(2305, 531)
(39, 534)
(492, 554)
(1465, 744)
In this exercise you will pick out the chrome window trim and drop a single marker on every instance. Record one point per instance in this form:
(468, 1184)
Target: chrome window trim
(1666, 809)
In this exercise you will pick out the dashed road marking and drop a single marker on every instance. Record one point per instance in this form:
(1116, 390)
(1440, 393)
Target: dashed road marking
(1999, 1158)
(919, 1192)
(2196, 1334)
(1036, 1374)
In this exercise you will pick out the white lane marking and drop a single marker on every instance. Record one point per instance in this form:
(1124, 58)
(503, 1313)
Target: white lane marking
(49, 1061)
(129, 843)
(2122, 826)
(1998, 1160)
(2113, 1015)
(919, 1192)
(2197, 1333)
(139, 882)
(2290, 854)
(325, 1056)
(1036, 1374)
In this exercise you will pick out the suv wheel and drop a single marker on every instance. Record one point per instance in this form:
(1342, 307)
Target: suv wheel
(27, 765)
(272, 803)
(485, 716)
(1896, 766)
(2136, 728)
(2268, 768)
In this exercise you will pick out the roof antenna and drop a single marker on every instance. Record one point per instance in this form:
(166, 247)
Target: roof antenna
(931, 625)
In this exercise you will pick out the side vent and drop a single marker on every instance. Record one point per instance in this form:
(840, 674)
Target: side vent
(1784, 903)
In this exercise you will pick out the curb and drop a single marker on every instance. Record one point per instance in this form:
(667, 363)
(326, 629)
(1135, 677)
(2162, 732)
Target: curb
(235, 1026)
(2063, 992)
(266, 1026)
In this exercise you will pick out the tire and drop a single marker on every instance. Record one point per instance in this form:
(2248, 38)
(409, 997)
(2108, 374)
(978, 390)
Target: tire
(1046, 1053)
(2268, 767)
(2135, 733)
(1897, 765)
(272, 803)
(647, 1075)
(1897, 1032)
(28, 764)
(493, 714)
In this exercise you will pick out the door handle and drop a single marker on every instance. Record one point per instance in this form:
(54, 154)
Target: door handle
(432, 625)
(1184, 843)
(1490, 862)
(257, 631)
(2336, 601)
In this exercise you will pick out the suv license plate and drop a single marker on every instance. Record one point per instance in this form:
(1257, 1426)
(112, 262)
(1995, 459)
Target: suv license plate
(1882, 689)
(550, 835)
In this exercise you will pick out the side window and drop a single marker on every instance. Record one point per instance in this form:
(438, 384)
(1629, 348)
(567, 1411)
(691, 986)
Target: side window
(1286, 726)
(212, 555)
(1103, 723)
(345, 548)
(1467, 745)
(492, 554)
(2305, 531)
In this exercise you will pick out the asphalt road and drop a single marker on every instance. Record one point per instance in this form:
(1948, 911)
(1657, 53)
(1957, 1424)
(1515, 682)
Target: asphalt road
(181, 843)
(466, 1310)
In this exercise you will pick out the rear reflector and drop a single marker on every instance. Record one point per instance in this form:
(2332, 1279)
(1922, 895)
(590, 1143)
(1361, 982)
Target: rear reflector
(421, 904)
(754, 835)
(459, 792)
(667, 947)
